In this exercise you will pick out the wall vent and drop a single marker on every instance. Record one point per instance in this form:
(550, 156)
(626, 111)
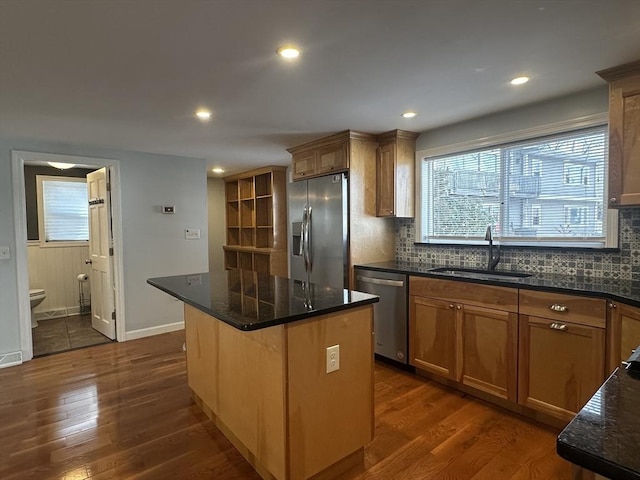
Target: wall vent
(10, 359)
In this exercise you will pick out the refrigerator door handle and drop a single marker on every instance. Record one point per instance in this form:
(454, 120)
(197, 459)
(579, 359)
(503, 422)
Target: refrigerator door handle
(303, 239)
(309, 237)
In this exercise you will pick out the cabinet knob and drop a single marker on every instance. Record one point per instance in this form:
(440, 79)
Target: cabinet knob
(612, 305)
(451, 305)
(556, 307)
(613, 200)
(558, 326)
(459, 307)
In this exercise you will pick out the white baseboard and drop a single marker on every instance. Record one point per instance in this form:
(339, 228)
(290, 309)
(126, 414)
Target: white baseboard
(150, 331)
(10, 359)
(58, 313)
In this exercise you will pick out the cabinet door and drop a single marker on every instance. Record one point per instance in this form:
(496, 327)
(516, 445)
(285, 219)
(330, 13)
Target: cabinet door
(490, 351)
(304, 164)
(561, 365)
(385, 180)
(332, 158)
(432, 335)
(624, 333)
(624, 142)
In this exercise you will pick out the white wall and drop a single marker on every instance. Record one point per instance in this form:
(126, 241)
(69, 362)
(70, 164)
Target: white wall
(570, 107)
(217, 231)
(154, 244)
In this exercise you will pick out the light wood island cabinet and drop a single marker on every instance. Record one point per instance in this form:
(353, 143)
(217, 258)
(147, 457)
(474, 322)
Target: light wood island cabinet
(256, 221)
(561, 351)
(624, 134)
(395, 174)
(465, 332)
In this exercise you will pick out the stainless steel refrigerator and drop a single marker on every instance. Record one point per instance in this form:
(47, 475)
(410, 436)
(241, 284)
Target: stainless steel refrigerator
(318, 210)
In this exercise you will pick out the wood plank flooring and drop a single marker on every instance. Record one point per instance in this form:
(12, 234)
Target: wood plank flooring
(123, 410)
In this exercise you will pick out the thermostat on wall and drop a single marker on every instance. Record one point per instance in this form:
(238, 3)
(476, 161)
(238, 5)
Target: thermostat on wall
(168, 209)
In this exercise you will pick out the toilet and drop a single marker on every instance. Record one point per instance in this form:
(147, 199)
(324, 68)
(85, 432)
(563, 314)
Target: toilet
(36, 296)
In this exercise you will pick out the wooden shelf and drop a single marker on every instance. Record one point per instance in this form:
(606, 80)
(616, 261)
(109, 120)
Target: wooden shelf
(256, 224)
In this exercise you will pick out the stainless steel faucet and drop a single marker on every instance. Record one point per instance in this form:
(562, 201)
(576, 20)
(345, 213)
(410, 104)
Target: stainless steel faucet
(493, 259)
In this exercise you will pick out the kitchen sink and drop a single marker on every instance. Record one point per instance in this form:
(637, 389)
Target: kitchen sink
(480, 274)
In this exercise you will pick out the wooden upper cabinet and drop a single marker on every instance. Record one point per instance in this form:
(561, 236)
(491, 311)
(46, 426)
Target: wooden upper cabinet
(322, 157)
(624, 134)
(304, 164)
(395, 174)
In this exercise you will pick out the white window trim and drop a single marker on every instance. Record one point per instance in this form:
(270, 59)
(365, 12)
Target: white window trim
(565, 126)
(41, 237)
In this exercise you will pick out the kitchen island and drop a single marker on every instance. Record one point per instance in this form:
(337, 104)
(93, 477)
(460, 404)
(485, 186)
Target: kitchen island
(257, 363)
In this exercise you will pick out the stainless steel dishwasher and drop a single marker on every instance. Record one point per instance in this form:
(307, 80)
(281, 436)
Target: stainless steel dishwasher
(390, 313)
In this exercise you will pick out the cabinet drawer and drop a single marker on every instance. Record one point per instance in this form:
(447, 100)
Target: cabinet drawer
(569, 308)
(502, 298)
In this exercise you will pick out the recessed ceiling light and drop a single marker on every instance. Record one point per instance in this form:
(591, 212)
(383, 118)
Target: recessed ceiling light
(217, 170)
(519, 80)
(288, 51)
(203, 115)
(409, 114)
(62, 166)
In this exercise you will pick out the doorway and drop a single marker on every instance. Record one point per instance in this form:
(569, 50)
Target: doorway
(66, 322)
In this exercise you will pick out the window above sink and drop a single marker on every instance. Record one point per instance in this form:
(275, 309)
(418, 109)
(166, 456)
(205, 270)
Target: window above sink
(545, 191)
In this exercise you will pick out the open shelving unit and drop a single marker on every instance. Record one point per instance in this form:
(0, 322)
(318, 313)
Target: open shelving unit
(257, 221)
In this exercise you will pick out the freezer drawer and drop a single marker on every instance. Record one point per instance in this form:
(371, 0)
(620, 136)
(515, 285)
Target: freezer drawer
(390, 313)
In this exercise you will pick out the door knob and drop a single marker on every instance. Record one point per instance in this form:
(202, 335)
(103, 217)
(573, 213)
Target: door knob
(88, 261)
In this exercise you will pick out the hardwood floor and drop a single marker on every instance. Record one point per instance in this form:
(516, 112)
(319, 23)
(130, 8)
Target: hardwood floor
(123, 410)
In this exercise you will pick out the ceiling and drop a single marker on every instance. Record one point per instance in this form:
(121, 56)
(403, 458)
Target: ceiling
(129, 74)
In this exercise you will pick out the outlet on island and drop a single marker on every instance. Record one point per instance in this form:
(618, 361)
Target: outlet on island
(333, 358)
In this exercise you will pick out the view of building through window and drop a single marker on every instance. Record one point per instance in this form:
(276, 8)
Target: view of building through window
(547, 189)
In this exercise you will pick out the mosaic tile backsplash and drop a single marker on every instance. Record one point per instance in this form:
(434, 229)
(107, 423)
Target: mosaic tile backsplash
(623, 264)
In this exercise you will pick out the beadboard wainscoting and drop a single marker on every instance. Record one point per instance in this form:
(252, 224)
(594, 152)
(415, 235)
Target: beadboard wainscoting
(56, 270)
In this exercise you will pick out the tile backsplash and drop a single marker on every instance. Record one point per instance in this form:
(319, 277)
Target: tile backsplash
(622, 264)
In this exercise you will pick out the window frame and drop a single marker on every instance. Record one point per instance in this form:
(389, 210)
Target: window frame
(41, 223)
(502, 140)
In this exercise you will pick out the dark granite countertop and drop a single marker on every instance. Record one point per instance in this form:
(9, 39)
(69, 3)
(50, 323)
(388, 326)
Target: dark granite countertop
(249, 301)
(605, 435)
(625, 291)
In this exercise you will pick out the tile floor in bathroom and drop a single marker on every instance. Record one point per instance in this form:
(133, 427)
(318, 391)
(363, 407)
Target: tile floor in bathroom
(61, 334)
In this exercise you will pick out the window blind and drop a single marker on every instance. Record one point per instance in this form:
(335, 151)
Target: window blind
(546, 190)
(66, 210)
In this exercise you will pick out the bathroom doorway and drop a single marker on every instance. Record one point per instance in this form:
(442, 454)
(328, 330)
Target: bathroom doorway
(54, 268)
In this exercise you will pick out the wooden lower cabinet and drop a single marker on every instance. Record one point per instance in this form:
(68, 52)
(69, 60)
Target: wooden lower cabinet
(432, 335)
(623, 333)
(561, 365)
(489, 350)
(473, 345)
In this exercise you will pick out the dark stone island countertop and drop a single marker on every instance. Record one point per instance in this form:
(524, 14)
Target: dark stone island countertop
(249, 301)
(605, 435)
(625, 291)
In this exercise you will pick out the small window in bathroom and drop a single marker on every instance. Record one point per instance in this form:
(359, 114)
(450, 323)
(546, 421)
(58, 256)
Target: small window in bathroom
(63, 209)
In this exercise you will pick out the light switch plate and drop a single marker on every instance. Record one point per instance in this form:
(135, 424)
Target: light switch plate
(5, 253)
(192, 233)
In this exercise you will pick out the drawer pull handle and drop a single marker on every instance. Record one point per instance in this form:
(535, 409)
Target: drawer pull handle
(558, 326)
(556, 307)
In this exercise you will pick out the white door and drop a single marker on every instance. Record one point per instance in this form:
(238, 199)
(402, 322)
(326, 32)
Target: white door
(100, 243)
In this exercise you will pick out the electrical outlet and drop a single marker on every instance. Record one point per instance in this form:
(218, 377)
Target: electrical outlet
(192, 233)
(333, 358)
